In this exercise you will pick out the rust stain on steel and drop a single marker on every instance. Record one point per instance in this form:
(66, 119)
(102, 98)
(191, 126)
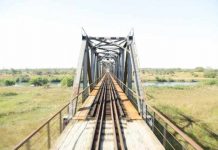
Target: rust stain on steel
(84, 110)
(132, 113)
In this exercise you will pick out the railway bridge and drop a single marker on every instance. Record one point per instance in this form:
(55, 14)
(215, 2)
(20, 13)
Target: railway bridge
(108, 109)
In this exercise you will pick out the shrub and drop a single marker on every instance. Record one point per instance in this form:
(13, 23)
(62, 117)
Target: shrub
(158, 79)
(210, 82)
(171, 80)
(181, 80)
(23, 78)
(193, 80)
(210, 74)
(55, 80)
(39, 81)
(9, 82)
(67, 81)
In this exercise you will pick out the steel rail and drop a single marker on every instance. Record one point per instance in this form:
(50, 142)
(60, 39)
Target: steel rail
(117, 99)
(96, 101)
(117, 121)
(113, 120)
(102, 112)
(99, 119)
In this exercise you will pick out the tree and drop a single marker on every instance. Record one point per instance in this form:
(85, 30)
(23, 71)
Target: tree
(67, 81)
(9, 82)
(39, 81)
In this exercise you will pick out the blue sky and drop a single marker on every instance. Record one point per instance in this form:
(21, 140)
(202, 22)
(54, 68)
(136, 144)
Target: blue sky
(169, 33)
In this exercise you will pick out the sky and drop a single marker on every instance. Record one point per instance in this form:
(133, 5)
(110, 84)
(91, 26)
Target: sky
(168, 34)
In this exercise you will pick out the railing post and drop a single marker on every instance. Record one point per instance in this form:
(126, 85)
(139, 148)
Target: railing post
(75, 105)
(28, 145)
(140, 104)
(49, 136)
(146, 113)
(60, 120)
(165, 135)
(127, 92)
(153, 121)
(68, 109)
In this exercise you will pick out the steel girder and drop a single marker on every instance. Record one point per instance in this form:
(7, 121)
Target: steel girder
(114, 54)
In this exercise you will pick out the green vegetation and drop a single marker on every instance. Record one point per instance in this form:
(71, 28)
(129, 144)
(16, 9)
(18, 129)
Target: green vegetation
(193, 109)
(177, 74)
(23, 78)
(8, 94)
(55, 80)
(210, 82)
(67, 81)
(39, 81)
(37, 77)
(9, 82)
(23, 109)
(210, 74)
(199, 69)
(158, 79)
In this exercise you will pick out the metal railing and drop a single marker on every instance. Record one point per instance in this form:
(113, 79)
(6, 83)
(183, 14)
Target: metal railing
(46, 135)
(171, 137)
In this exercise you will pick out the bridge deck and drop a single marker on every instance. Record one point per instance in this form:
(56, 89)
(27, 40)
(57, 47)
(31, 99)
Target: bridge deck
(84, 110)
(80, 131)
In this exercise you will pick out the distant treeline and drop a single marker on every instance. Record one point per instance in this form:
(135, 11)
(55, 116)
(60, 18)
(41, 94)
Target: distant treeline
(197, 69)
(37, 77)
(208, 72)
(44, 71)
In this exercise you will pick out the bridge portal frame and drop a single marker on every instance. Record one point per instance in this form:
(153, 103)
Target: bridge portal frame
(101, 54)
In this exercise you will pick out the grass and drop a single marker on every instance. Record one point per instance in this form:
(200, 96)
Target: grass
(188, 76)
(193, 109)
(210, 82)
(23, 109)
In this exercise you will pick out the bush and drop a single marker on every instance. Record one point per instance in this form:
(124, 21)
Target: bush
(67, 81)
(210, 74)
(158, 79)
(171, 80)
(55, 80)
(182, 80)
(210, 82)
(39, 81)
(23, 78)
(9, 82)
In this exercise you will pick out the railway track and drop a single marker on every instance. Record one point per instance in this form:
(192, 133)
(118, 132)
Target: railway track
(108, 112)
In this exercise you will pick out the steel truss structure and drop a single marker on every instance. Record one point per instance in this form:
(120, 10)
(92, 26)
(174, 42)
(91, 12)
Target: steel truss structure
(108, 54)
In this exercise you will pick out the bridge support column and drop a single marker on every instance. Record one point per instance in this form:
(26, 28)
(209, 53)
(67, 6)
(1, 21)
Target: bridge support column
(137, 81)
